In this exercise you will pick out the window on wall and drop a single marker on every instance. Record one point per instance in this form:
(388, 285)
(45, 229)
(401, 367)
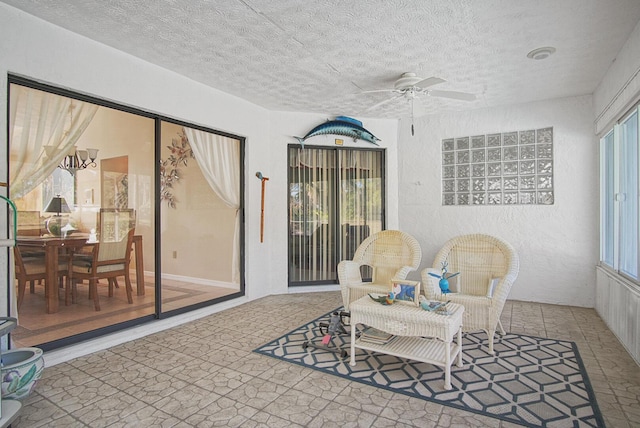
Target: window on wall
(619, 197)
(336, 199)
(499, 169)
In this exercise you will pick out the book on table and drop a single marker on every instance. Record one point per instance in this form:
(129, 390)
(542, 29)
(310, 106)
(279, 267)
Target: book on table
(373, 335)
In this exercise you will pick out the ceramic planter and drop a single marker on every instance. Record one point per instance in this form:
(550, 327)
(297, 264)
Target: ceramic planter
(21, 369)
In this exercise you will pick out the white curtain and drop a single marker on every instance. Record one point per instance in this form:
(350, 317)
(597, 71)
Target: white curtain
(360, 159)
(219, 159)
(43, 128)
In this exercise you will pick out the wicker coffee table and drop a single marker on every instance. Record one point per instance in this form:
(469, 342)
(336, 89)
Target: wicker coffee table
(423, 336)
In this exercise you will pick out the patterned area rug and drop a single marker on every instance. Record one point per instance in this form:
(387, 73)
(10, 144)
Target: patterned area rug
(531, 381)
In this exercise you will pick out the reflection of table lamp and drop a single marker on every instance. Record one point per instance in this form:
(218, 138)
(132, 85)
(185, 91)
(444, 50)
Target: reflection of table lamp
(54, 223)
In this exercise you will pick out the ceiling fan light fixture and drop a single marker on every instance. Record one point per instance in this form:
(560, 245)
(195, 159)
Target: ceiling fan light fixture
(541, 53)
(407, 80)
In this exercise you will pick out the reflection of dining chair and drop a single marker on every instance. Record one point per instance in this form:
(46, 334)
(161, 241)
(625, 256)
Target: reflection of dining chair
(29, 223)
(33, 269)
(110, 257)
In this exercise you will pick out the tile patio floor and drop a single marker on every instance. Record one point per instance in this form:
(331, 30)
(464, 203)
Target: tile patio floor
(204, 374)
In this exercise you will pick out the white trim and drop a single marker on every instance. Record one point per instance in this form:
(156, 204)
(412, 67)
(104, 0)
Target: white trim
(611, 111)
(314, 288)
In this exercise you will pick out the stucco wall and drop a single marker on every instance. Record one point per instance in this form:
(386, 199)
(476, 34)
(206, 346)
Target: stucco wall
(557, 244)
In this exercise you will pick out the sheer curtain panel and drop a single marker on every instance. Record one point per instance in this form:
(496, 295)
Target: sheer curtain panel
(43, 128)
(219, 160)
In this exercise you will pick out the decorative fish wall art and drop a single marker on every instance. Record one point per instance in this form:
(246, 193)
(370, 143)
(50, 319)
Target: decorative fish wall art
(341, 125)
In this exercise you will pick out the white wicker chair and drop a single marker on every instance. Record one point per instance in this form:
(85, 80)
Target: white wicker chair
(390, 253)
(483, 262)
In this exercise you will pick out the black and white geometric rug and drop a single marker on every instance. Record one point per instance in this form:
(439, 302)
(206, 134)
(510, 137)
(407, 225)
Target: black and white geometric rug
(530, 381)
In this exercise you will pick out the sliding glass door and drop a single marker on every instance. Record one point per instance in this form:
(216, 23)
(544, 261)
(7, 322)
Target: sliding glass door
(78, 167)
(336, 200)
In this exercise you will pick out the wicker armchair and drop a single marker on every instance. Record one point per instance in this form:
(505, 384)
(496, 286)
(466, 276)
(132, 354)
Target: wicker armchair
(488, 268)
(390, 254)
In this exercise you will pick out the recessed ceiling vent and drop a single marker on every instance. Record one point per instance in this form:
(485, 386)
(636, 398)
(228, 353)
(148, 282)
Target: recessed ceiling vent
(541, 53)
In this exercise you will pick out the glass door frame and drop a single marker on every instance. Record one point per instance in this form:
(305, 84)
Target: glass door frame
(335, 182)
(158, 119)
(158, 213)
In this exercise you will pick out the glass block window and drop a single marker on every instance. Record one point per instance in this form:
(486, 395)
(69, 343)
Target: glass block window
(499, 169)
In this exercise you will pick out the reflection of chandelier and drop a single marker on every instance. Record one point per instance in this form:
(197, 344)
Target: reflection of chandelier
(78, 159)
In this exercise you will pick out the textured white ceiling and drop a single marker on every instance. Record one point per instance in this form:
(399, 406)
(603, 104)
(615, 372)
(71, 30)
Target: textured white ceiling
(316, 56)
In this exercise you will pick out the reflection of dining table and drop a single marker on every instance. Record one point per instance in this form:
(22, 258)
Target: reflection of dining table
(52, 247)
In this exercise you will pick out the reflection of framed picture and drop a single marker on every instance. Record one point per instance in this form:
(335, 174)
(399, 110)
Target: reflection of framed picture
(406, 291)
(114, 182)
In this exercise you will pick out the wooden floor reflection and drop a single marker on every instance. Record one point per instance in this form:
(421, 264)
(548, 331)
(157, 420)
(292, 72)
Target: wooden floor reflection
(35, 326)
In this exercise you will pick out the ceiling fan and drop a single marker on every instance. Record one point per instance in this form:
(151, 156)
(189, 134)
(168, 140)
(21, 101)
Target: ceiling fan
(410, 86)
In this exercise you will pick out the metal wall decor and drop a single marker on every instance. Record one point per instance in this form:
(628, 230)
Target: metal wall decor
(499, 169)
(170, 172)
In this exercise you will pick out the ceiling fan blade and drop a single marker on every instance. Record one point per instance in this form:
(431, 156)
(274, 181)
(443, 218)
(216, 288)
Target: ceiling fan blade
(381, 103)
(464, 96)
(430, 81)
(377, 90)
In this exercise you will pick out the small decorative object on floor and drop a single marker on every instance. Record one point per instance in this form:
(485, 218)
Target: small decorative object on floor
(385, 299)
(21, 369)
(444, 278)
(333, 328)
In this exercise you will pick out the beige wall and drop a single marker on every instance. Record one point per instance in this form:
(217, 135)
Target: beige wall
(197, 235)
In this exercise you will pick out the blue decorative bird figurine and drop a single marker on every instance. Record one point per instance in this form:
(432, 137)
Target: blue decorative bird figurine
(444, 279)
